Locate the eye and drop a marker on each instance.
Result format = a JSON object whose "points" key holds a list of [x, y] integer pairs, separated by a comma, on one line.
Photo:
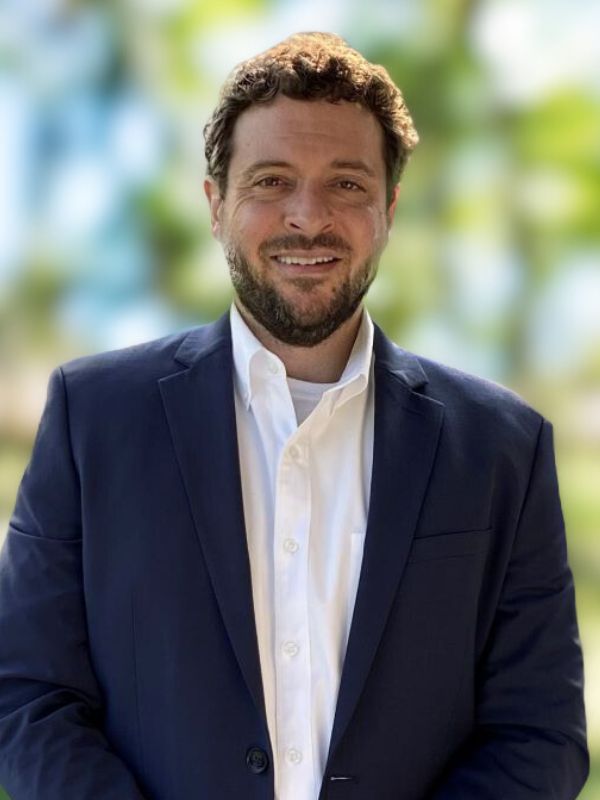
{"points": [[269, 182], [350, 185]]}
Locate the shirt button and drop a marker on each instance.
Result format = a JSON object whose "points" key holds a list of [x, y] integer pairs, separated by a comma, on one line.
{"points": [[295, 452], [291, 546], [293, 756], [273, 367], [290, 649]]}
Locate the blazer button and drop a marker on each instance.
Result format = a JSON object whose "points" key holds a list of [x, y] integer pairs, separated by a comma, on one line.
{"points": [[257, 760]]}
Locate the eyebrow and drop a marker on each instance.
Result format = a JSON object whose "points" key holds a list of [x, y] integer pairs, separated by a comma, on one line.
{"points": [[355, 166]]}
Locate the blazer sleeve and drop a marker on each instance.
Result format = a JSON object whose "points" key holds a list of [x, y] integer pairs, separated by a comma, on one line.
{"points": [[51, 742], [530, 739]]}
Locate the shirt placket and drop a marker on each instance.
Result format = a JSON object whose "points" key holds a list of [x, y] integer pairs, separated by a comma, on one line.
{"points": [[292, 655]]}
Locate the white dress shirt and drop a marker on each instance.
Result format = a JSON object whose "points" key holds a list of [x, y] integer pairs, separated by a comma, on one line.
{"points": [[306, 492]]}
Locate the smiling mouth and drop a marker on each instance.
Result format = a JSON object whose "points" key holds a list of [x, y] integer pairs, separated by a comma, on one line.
{"points": [[305, 262]]}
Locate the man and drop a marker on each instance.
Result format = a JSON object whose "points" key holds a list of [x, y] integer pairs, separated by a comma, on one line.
{"points": [[278, 556]]}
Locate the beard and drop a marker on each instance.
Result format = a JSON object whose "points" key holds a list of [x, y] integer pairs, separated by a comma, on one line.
{"points": [[284, 319]]}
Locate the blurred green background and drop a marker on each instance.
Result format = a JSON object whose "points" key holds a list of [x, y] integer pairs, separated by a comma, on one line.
{"points": [[494, 262]]}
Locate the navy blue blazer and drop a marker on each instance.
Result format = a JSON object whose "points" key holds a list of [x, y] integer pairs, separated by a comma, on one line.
{"points": [[129, 665]]}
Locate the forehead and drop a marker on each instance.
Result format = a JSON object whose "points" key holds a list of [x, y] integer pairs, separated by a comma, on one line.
{"points": [[303, 132]]}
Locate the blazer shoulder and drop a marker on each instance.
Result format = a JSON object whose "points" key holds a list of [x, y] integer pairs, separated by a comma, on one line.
{"points": [[120, 384], [115, 395], [481, 402], [467, 399], [149, 360], [147, 357]]}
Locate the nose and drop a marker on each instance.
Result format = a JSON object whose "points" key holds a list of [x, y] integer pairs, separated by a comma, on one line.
{"points": [[307, 211]]}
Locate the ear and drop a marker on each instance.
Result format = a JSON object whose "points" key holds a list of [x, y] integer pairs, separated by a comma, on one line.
{"points": [[391, 209], [215, 204]]}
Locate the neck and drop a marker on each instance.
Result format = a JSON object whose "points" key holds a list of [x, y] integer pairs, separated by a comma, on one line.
{"points": [[322, 363]]}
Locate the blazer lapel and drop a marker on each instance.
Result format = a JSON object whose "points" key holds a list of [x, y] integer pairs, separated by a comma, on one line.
{"points": [[407, 427], [200, 408]]}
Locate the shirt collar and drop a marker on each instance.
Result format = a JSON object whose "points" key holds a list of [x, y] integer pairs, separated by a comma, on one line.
{"points": [[253, 363]]}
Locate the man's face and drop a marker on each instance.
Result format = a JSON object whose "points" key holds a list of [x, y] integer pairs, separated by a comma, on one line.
{"points": [[304, 219]]}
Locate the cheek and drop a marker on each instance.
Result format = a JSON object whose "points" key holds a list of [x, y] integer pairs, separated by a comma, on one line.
{"points": [[250, 226], [371, 229]]}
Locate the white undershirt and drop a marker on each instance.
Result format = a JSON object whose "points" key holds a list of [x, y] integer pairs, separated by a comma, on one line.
{"points": [[305, 491], [306, 396]]}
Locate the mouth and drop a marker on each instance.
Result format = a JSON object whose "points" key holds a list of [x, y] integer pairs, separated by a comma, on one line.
{"points": [[305, 261]]}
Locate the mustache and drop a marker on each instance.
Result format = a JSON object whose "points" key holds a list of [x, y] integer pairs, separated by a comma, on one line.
{"points": [[297, 241]]}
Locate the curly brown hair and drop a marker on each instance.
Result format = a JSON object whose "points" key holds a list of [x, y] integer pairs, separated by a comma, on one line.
{"points": [[311, 66]]}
